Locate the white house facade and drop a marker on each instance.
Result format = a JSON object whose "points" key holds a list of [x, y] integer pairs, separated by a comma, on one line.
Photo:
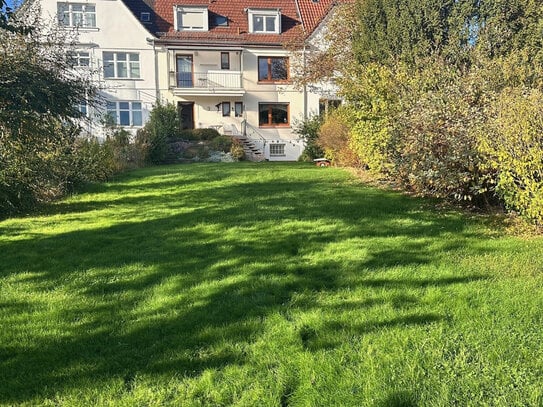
{"points": [[228, 67], [223, 63], [116, 47]]}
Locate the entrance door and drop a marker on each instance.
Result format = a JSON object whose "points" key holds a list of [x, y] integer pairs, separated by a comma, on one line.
{"points": [[184, 71], [186, 114]]}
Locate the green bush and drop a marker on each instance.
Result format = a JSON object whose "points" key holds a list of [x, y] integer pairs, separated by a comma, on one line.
{"points": [[374, 103], [199, 134], [513, 147], [162, 128], [35, 173], [221, 143], [309, 131], [434, 150]]}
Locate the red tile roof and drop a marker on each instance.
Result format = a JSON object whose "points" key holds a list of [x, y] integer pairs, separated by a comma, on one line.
{"points": [[297, 17], [313, 12]]}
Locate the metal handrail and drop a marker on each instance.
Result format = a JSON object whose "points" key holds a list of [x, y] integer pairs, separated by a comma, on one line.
{"points": [[245, 125]]}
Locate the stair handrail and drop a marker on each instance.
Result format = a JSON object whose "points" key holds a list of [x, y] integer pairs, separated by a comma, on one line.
{"points": [[245, 125]]}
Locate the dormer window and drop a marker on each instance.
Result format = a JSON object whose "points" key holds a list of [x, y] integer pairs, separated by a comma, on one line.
{"points": [[191, 18], [264, 21], [220, 21]]}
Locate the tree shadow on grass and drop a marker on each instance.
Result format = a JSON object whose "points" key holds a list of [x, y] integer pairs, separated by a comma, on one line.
{"points": [[220, 268]]}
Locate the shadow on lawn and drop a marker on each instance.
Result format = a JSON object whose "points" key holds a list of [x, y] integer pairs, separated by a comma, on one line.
{"points": [[250, 270]]}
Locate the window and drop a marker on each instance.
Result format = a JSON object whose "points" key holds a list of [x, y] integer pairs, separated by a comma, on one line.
{"points": [[82, 107], [328, 105], [265, 21], [125, 113], [225, 60], [220, 21], [272, 69], [225, 109], [277, 150], [273, 114], [145, 17], [191, 19], [121, 65], [238, 109], [78, 58], [76, 15]]}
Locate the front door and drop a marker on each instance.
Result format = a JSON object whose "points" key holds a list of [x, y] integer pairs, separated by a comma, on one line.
{"points": [[186, 114], [184, 71]]}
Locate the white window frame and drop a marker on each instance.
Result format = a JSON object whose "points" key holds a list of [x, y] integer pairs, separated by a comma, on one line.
{"points": [[178, 19], [71, 14], [78, 56], [277, 150], [120, 107], [265, 14], [130, 64]]}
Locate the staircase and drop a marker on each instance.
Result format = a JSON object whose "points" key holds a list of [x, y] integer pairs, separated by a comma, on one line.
{"points": [[252, 152], [251, 141]]}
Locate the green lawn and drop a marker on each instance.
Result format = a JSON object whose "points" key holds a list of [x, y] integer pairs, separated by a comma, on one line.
{"points": [[265, 285]]}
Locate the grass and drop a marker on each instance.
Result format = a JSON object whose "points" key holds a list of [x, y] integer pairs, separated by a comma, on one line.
{"points": [[265, 285]]}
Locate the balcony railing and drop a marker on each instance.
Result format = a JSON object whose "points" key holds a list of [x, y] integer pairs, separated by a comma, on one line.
{"points": [[206, 80]]}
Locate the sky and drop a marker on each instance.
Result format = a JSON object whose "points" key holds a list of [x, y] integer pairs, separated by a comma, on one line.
{"points": [[10, 3]]}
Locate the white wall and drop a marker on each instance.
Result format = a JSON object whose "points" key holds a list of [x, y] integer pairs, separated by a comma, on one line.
{"points": [[205, 110], [117, 29]]}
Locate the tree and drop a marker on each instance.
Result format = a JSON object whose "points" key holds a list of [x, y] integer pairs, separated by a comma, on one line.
{"points": [[38, 83], [39, 92]]}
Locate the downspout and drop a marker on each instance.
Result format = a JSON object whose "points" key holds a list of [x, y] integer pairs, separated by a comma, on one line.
{"points": [[304, 88], [157, 82], [305, 85], [155, 55]]}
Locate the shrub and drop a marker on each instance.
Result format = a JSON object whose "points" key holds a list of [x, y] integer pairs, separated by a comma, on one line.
{"points": [[199, 134], [334, 139], [309, 131], [163, 126], [435, 146], [513, 147], [35, 173], [236, 150], [221, 143], [220, 157]]}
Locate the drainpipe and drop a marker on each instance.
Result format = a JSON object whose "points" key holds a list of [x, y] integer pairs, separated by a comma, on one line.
{"points": [[157, 83], [305, 86]]}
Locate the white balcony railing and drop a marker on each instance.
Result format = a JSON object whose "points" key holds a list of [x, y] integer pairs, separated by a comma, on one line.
{"points": [[206, 80]]}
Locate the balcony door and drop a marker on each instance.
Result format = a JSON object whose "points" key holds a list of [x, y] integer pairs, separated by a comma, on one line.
{"points": [[184, 71]]}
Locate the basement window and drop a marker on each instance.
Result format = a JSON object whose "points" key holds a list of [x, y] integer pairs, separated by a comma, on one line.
{"points": [[277, 150]]}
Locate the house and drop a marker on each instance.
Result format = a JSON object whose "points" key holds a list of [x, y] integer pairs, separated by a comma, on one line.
{"points": [[114, 45], [226, 64]]}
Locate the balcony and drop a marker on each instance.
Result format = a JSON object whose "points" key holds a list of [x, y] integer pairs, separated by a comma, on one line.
{"points": [[220, 83]]}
